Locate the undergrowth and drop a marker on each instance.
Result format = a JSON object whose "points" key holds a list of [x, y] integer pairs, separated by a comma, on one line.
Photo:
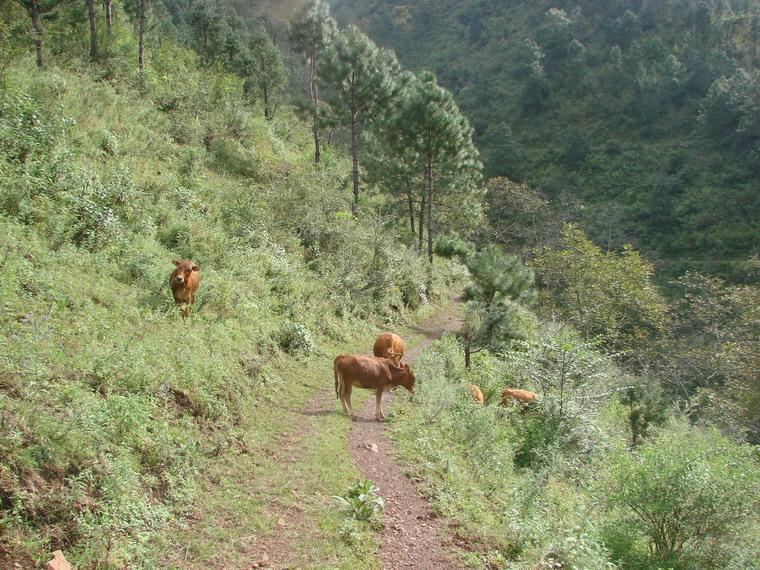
{"points": [[110, 406], [557, 484]]}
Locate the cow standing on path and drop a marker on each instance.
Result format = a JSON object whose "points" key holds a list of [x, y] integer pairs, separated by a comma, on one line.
{"points": [[389, 345], [184, 281], [371, 373]]}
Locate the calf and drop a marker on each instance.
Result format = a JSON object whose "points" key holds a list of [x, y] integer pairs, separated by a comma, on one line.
{"points": [[389, 345], [371, 373], [522, 397], [477, 394], [184, 281]]}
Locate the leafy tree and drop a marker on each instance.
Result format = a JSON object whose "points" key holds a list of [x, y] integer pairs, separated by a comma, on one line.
{"points": [[360, 77], [141, 15], [266, 73], [108, 8], [713, 352], [602, 294], [520, 217], [310, 31], [35, 9], [689, 493], [93, 29]]}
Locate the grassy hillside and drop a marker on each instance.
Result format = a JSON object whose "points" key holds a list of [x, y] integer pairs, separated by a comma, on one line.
{"points": [[112, 410], [637, 118]]}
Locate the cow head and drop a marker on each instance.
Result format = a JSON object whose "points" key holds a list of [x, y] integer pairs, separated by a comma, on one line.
{"points": [[184, 268], [402, 375]]}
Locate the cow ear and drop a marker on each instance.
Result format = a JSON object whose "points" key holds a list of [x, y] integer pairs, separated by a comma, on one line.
{"points": [[196, 268], [176, 262]]}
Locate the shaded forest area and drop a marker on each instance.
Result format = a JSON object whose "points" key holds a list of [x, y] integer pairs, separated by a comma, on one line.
{"points": [[639, 119]]}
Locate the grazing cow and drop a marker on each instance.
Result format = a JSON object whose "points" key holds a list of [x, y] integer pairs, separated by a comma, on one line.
{"points": [[371, 373], [389, 345], [184, 281], [477, 394], [522, 397]]}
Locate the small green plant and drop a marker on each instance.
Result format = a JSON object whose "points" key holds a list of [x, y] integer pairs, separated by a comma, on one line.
{"points": [[362, 502], [109, 142], [295, 338]]}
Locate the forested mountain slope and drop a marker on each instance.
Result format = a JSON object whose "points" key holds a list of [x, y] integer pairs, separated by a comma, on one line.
{"points": [[639, 118], [135, 133]]}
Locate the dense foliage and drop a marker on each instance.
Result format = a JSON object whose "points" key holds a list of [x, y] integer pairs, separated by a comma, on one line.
{"points": [[638, 119], [556, 486], [110, 406], [169, 133]]}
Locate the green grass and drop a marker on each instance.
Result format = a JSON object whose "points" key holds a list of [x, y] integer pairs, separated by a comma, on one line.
{"points": [[117, 420], [247, 493]]}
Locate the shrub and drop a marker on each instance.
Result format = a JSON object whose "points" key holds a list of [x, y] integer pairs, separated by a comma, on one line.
{"points": [[689, 494], [109, 142], [295, 339]]}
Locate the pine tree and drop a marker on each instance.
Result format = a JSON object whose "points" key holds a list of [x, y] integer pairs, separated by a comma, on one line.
{"points": [[310, 31], [35, 9], [265, 72], [360, 77], [442, 137], [500, 283], [393, 165]]}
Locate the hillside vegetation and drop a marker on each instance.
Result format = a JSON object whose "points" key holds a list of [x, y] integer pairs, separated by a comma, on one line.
{"points": [[134, 134], [111, 407], [638, 119]]}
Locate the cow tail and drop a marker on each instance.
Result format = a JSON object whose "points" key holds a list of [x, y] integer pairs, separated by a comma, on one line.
{"points": [[338, 381]]}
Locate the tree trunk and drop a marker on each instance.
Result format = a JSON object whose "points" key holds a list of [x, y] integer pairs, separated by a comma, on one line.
{"points": [[429, 175], [265, 93], [205, 44], [354, 151], [141, 44], [35, 14], [411, 210], [109, 15], [467, 354], [421, 225], [93, 30], [315, 104]]}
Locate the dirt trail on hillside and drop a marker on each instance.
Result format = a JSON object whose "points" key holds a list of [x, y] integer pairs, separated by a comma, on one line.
{"points": [[414, 536]]}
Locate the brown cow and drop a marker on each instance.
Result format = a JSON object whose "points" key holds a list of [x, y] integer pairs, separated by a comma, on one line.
{"points": [[184, 281], [372, 373], [477, 394], [522, 397], [389, 345]]}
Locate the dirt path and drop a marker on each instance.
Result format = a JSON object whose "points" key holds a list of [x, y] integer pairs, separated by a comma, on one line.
{"points": [[414, 536]]}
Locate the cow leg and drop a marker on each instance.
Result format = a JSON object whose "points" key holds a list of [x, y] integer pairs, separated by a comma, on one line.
{"points": [[347, 401], [343, 402], [379, 404]]}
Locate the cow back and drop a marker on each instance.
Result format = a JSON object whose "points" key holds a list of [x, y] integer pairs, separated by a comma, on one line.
{"points": [[389, 345]]}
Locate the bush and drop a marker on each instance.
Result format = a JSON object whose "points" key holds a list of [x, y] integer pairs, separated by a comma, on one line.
{"points": [[362, 502], [295, 339], [690, 495]]}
